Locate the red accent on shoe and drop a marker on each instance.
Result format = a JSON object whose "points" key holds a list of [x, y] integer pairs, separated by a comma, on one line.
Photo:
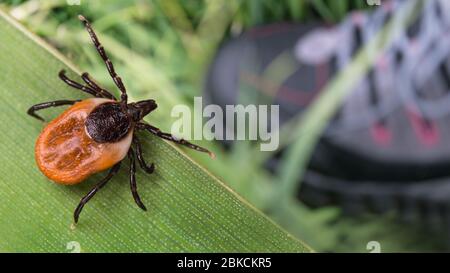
{"points": [[428, 134], [381, 134]]}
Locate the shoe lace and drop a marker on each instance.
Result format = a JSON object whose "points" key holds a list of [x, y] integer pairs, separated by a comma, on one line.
{"points": [[419, 53]]}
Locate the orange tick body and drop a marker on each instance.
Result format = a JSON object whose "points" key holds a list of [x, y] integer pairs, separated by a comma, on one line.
{"points": [[66, 153], [96, 134]]}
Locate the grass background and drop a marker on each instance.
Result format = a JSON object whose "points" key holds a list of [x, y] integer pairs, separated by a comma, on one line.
{"points": [[162, 50]]}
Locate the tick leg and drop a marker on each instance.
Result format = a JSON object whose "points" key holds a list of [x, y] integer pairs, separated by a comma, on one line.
{"points": [[94, 190], [31, 111], [101, 50], [91, 83], [133, 185], [147, 168], [71, 83], [157, 132]]}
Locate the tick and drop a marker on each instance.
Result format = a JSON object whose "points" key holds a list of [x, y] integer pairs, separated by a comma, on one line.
{"points": [[96, 134]]}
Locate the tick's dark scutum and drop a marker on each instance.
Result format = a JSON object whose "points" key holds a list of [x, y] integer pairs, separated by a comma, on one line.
{"points": [[108, 123]]}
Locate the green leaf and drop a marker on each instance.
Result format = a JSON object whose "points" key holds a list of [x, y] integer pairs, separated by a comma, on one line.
{"points": [[188, 209]]}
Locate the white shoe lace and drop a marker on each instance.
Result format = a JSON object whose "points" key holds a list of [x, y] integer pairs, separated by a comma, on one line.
{"points": [[418, 54]]}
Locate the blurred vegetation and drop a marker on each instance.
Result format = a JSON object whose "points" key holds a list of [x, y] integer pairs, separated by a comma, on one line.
{"points": [[162, 50]]}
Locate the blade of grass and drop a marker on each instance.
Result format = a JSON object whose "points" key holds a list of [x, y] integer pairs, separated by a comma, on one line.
{"points": [[189, 210], [323, 10]]}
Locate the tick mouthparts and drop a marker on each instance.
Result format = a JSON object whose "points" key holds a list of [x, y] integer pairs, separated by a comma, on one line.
{"points": [[212, 155]]}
